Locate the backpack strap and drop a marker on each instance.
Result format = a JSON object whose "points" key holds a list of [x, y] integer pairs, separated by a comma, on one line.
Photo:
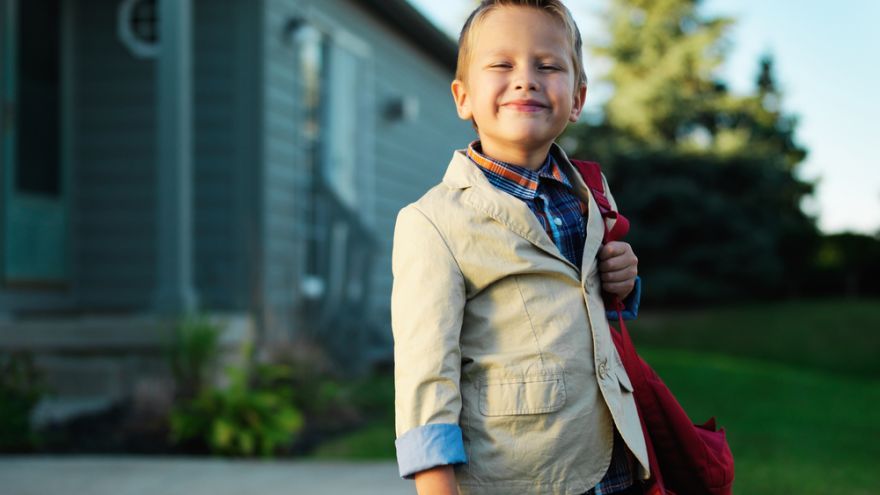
{"points": [[592, 175]]}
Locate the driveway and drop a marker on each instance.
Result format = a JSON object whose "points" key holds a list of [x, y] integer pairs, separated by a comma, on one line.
{"points": [[75, 475]]}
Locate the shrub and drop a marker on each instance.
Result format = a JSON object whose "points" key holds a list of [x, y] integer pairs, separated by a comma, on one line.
{"points": [[21, 387], [193, 353], [251, 415]]}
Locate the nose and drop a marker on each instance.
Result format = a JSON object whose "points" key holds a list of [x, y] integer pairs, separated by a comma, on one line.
{"points": [[526, 78]]}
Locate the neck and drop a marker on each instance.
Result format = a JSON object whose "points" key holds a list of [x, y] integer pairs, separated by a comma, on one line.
{"points": [[529, 158]]}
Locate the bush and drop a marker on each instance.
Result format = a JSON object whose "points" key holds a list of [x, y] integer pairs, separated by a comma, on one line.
{"points": [[21, 387], [251, 415], [193, 353]]}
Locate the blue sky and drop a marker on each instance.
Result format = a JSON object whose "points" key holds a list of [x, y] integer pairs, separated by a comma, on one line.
{"points": [[823, 54]]}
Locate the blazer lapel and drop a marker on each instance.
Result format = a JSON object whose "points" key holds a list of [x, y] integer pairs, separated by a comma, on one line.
{"points": [[507, 210], [595, 228]]}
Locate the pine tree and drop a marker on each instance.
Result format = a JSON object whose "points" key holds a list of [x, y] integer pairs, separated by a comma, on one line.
{"points": [[707, 176], [664, 58]]}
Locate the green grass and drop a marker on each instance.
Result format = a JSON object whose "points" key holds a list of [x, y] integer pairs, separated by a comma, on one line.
{"points": [[792, 430], [373, 442], [838, 335], [795, 385]]}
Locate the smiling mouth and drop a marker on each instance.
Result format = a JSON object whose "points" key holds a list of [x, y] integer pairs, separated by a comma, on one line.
{"points": [[526, 106]]}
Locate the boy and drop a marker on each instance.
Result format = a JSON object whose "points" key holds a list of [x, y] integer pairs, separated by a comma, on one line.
{"points": [[506, 377]]}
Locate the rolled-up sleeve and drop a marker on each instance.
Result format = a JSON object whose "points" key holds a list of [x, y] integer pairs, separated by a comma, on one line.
{"points": [[427, 303]]}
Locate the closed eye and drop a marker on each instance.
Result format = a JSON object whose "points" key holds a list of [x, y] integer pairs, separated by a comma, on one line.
{"points": [[548, 67]]}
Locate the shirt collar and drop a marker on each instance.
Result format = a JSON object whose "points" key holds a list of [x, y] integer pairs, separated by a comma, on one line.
{"points": [[519, 181]]}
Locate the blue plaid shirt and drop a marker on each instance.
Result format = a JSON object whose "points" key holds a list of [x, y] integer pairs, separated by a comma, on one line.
{"points": [[549, 194]]}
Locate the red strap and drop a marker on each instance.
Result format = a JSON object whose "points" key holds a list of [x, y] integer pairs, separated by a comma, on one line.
{"points": [[592, 174]]}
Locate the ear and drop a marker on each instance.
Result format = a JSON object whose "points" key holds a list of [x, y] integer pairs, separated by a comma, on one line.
{"points": [[462, 100], [579, 97]]}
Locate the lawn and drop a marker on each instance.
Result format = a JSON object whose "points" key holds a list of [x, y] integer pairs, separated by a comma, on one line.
{"points": [[791, 429], [837, 336], [796, 385]]}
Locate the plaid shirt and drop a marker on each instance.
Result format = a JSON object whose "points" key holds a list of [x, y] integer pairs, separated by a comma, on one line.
{"points": [[549, 194]]}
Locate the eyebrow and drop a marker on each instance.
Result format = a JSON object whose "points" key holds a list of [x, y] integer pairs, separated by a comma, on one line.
{"points": [[539, 55]]}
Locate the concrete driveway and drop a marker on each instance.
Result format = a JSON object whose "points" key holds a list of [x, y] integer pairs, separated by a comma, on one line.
{"points": [[76, 475]]}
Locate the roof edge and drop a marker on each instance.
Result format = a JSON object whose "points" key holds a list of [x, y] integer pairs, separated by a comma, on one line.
{"points": [[408, 21]]}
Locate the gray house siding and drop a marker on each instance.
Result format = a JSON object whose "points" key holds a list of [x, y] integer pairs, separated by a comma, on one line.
{"points": [[115, 150], [404, 158], [411, 156], [253, 212], [284, 183], [113, 165], [226, 154]]}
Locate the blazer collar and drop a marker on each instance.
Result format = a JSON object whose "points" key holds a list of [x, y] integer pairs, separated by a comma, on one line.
{"points": [[480, 194]]}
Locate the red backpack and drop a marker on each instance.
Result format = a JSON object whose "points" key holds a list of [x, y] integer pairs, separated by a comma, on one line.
{"points": [[685, 458]]}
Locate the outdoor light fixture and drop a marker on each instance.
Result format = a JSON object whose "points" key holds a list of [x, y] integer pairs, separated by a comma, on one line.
{"points": [[401, 109]]}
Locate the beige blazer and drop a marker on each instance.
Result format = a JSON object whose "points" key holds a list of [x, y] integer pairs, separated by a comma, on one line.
{"points": [[497, 333]]}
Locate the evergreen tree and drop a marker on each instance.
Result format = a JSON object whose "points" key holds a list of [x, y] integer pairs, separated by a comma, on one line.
{"points": [[707, 176], [664, 58]]}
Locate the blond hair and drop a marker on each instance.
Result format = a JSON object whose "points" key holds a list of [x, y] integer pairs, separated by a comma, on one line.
{"points": [[553, 7]]}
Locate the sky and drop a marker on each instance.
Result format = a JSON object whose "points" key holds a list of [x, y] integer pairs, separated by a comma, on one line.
{"points": [[823, 54]]}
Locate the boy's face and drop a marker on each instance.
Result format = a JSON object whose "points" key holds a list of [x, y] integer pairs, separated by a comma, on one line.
{"points": [[519, 86]]}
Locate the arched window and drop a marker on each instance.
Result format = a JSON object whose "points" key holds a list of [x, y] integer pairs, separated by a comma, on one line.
{"points": [[138, 27]]}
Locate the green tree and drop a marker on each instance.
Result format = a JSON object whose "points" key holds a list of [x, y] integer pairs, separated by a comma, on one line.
{"points": [[707, 176], [664, 56]]}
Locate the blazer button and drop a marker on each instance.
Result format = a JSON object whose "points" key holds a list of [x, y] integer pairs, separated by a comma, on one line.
{"points": [[603, 369]]}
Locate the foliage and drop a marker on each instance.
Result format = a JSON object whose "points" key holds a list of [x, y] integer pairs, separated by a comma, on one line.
{"points": [[709, 228], [254, 413], [327, 397], [707, 177], [663, 57], [193, 353], [847, 264], [251, 415], [21, 387], [373, 399]]}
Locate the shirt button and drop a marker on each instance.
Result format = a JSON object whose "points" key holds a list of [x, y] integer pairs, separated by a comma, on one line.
{"points": [[557, 221]]}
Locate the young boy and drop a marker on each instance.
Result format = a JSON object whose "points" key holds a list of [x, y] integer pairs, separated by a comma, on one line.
{"points": [[506, 377]]}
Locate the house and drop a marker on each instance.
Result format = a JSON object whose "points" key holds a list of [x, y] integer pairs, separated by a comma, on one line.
{"points": [[246, 158]]}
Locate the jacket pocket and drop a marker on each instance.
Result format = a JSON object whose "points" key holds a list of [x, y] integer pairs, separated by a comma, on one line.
{"points": [[535, 393]]}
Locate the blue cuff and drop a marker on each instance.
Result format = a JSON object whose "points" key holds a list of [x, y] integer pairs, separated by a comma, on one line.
{"points": [[429, 446], [631, 303]]}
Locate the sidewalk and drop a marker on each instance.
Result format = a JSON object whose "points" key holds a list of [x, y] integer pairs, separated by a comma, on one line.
{"points": [[85, 475]]}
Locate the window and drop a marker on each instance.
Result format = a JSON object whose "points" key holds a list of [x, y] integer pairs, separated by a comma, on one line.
{"points": [[37, 165], [346, 122], [138, 27], [338, 113]]}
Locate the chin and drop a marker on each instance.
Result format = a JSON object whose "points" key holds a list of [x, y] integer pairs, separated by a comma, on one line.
{"points": [[531, 138]]}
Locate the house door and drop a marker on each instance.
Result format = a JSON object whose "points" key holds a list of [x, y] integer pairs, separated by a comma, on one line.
{"points": [[34, 196]]}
